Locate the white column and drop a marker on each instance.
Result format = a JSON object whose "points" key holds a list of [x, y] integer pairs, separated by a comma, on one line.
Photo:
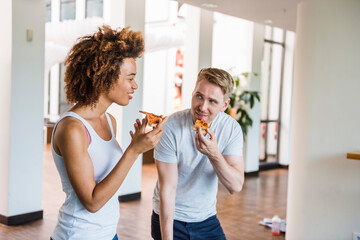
{"points": [[21, 105], [323, 192], [169, 81], [135, 18], [114, 16], [114, 12], [191, 53], [80, 9], [206, 38], [252, 146], [5, 101], [55, 10], [155, 74]]}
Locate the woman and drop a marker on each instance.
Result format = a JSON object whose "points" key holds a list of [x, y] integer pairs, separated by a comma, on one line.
{"points": [[100, 71]]}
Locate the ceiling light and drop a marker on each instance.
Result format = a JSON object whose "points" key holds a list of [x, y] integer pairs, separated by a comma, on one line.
{"points": [[268, 21], [209, 5]]}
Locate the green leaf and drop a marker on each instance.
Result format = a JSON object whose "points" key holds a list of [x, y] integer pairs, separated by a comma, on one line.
{"points": [[257, 96], [249, 121], [245, 74], [244, 101], [251, 101]]}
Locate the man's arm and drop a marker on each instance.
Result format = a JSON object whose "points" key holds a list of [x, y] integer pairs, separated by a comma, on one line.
{"points": [[168, 178], [229, 169]]}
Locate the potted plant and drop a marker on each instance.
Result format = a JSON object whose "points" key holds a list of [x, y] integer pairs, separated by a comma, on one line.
{"points": [[242, 100]]}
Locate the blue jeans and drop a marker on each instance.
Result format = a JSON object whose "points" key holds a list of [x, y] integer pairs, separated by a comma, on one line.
{"points": [[209, 229]]}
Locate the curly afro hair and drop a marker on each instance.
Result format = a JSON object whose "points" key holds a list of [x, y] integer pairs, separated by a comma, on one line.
{"points": [[93, 64]]}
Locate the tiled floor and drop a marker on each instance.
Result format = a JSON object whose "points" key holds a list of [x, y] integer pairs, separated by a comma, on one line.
{"points": [[239, 214]]}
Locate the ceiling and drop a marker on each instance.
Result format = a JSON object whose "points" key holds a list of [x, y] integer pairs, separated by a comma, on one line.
{"points": [[282, 13]]}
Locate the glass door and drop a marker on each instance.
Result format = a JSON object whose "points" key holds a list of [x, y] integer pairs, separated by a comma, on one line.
{"points": [[272, 69]]}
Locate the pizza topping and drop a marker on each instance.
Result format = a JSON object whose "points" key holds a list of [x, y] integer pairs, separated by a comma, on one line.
{"points": [[203, 125], [153, 120]]}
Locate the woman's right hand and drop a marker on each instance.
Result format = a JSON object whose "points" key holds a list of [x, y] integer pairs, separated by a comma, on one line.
{"points": [[141, 141]]}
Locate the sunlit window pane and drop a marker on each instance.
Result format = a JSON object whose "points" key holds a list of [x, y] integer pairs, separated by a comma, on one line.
{"points": [[265, 81], [48, 11], [268, 30], [278, 35], [68, 9], [94, 8]]}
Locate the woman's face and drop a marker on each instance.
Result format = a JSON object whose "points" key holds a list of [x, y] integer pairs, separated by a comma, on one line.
{"points": [[125, 86]]}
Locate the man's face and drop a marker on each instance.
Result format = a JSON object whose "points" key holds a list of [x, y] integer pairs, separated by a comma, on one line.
{"points": [[207, 101]]}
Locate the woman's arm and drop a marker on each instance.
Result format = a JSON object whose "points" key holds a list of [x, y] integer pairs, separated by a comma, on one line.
{"points": [[70, 140]]}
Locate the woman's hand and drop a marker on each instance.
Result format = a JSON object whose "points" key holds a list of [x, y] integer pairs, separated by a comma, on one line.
{"points": [[142, 141]]}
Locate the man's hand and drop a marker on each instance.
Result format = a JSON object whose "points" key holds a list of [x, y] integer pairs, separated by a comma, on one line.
{"points": [[204, 145]]}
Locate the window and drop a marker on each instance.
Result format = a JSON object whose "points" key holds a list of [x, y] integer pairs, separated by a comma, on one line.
{"points": [[271, 94], [67, 9], [48, 11], [94, 8], [63, 105]]}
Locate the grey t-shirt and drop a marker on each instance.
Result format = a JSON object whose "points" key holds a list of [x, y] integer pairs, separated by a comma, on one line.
{"points": [[197, 181]]}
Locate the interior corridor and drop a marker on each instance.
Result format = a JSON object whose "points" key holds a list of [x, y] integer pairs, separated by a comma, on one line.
{"points": [[239, 214]]}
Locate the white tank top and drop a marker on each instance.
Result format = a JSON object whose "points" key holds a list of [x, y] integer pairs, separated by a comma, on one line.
{"points": [[74, 221]]}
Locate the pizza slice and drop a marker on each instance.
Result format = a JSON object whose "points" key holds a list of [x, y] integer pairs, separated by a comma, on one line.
{"points": [[153, 120], [203, 125]]}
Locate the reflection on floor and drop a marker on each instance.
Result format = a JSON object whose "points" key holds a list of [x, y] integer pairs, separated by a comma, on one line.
{"points": [[239, 214]]}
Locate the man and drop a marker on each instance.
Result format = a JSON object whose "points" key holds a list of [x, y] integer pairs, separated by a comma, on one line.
{"points": [[189, 164]]}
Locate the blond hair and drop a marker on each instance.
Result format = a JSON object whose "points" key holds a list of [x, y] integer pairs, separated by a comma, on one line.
{"points": [[218, 77]]}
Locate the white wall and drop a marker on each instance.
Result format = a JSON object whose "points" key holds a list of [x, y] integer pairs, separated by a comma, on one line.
{"points": [[157, 11], [134, 17], [5, 73], [206, 38], [252, 146], [155, 75], [114, 16], [159, 64], [114, 12], [232, 43], [21, 138], [323, 192], [191, 53]]}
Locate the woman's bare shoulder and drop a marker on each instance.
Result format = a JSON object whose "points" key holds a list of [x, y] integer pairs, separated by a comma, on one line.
{"points": [[70, 131], [70, 124]]}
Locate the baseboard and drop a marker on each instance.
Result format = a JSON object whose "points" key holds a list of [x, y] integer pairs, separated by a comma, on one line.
{"points": [[284, 166], [130, 197], [252, 174], [268, 166], [21, 219]]}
